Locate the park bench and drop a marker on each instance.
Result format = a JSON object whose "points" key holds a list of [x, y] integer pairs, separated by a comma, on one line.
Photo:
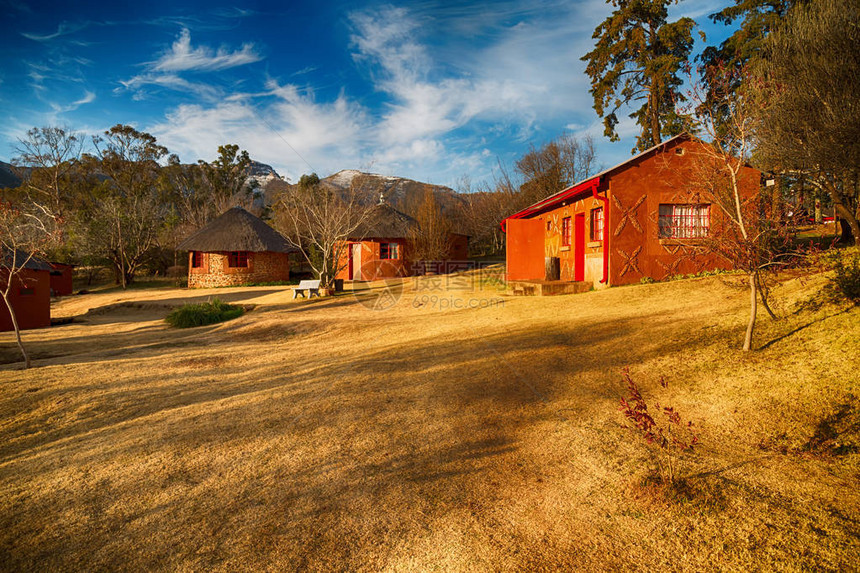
{"points": [[307, 289]]}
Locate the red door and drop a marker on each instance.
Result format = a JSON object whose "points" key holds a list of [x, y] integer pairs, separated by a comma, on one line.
{"points": [[579, 247]]}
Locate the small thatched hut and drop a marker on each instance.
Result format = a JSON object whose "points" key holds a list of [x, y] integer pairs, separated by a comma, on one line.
{"points": [[236, 248]]}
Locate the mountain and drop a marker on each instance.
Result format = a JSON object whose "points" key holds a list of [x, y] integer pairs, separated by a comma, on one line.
{"points": [[263, 174], [403, 194], [7, 176]]}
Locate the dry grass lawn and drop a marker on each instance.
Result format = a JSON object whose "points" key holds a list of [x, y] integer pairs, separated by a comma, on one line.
{"points": [[323, 435]]}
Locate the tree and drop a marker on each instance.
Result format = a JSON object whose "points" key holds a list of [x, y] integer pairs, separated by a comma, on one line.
{"points": [[124, 212], [540, 172], [808, 80], [47, 156], [757, 19], [318, 220], [554, 166], [25, 230], [639, 56], [227, 179], [430, 239], [751, 240]]}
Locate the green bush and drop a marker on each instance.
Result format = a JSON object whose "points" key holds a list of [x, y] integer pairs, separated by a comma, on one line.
{"points": [[846, 277], [201, 314]]}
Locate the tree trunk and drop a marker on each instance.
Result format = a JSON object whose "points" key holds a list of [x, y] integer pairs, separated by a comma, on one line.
{"points": [[654, 112], [15, 326], [763, 295], [753, 310], [844, 213]]}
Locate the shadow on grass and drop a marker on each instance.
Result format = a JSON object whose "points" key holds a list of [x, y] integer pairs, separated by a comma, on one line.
{"points": [[803, 327]]}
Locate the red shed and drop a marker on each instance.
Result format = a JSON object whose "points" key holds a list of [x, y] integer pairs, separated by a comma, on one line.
{"points": [[631, 221], [61, 279], [30, 295]]}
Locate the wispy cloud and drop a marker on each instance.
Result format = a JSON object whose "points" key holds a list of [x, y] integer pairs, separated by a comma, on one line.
{"points": [[438, 110], [183, 57], [88, 97], [63, 29]]}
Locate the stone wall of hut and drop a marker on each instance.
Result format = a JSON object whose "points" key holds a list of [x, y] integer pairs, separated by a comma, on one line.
{"points": [[216, 271]]}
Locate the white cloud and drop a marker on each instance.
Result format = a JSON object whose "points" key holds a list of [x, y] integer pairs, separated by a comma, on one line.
{"points": [[442, 110], [182, 57], [63, 29], [288, 129]]}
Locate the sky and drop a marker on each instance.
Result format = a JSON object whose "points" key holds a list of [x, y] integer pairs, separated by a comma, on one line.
{"points": [[435, 91]]}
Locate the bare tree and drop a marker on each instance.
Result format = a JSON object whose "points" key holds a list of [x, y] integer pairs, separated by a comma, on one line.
{"points": [[744, 234], [430, 240], [46, 156], [25, 231], [319, 220], [536, 175], [554, 166]]}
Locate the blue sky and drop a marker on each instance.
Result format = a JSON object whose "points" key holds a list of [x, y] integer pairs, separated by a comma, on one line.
{"points": [[429, 90]]}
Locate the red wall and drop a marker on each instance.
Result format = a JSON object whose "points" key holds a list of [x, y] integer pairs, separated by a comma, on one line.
{"points": [[31, 310], [372, 267], [61, 279], [525, 249], [375, 268]]}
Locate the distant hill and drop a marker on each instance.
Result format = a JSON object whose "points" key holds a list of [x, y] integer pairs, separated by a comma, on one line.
{"points": [[7, 176], [403, 194]]}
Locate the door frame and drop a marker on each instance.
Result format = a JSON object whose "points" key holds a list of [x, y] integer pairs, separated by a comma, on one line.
{"points": [[579, 247]]}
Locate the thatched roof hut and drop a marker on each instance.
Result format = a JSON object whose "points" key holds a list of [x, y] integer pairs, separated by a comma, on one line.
{"points": [[237, 230], [236, 248], [384, 221]]}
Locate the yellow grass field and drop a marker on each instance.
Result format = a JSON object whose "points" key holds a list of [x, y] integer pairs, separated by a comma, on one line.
{"points": [[479, 435]]}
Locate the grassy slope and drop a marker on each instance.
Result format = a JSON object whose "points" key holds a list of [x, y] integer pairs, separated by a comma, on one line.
{"points": [[323, 435]]}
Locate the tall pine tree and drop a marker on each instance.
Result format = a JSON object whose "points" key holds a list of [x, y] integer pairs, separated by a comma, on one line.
{"points": [[639, 57]]}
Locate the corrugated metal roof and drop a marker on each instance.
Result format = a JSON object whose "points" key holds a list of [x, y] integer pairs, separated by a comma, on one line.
{"points": [[34, 263]]}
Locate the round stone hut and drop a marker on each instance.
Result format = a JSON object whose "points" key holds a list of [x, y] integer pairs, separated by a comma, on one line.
{"points": [[236, 249]]}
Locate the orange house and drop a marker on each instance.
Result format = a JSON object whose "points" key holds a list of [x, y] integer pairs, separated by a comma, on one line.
{"points": [[629, 222], [30, 295], [381, 248]]}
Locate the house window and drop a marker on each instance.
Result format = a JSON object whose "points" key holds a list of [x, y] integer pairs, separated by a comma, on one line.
{"points": [[597, 224], [684, 221], [565, 232], [26, 291], [238, 259], [196, 259], [388, 251]]}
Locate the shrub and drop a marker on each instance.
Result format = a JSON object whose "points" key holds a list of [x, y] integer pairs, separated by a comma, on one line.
{"points": [[846, 277], [201, 314], [668, 441]]}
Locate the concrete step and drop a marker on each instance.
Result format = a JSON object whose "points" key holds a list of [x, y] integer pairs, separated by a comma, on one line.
{"points": [[548, 288]]}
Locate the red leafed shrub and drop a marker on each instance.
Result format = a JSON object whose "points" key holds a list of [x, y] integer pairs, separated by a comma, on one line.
{"points": [[666, 435]]}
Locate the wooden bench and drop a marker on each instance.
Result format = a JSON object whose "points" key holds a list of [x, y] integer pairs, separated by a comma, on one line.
{"points": [[307, 289]]}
